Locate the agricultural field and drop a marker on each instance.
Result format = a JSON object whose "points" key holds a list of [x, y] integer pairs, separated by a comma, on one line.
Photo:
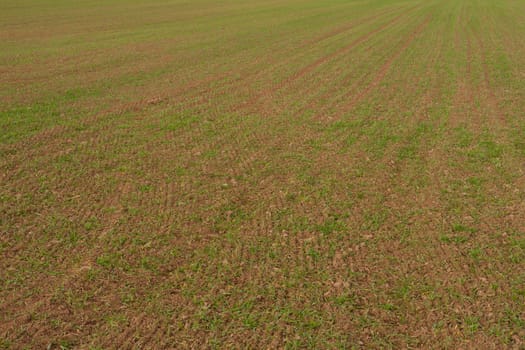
{"points": [[264, 174]]}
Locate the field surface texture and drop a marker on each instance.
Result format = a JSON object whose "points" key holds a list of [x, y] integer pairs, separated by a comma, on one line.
{"points": [[335, 174]]}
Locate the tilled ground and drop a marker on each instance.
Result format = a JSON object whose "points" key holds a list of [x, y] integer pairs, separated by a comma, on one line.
{"points": [[262, 174]]}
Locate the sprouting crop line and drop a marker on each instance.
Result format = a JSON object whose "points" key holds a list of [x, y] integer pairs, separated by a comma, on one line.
{"points": [[273, 64], [463, 95], [276, 63], [333, 90], [305, 70], [345, 28], [492, 100], [382, 71], [310, 67]]}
